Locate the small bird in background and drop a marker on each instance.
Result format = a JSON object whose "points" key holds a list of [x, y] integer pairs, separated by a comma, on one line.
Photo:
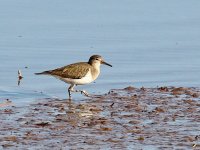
{"points": [[19, 77], [78, 73]]}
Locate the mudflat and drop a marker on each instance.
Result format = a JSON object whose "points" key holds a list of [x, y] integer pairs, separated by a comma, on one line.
{"points": [[129, 118]]}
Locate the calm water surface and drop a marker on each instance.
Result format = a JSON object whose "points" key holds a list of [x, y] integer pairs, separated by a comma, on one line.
{"points": [[149, 43]]}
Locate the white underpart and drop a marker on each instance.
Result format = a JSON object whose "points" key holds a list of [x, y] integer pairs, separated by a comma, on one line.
{"points": [[88, 78]]}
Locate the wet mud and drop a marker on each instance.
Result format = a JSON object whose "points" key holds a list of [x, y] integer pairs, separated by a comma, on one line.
{"points": [[129, 118]]}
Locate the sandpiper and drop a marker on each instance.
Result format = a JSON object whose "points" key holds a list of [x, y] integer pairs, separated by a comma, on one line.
{"points": [[78, 73]]}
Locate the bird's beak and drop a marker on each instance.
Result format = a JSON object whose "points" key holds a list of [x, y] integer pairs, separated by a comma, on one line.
{"points": [[105, 63]]}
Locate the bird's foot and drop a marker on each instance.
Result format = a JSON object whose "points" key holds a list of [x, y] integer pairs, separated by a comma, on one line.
{"points": [[70, 98], [85, 93]]}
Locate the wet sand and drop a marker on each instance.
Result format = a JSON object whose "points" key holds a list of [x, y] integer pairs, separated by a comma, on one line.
{"points": [[129, 118]]}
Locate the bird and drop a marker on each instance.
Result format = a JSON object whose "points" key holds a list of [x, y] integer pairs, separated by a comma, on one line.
{"points": [[79, 73]]}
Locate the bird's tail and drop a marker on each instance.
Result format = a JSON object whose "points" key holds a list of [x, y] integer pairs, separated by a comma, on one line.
{"points": [[42, 73]]}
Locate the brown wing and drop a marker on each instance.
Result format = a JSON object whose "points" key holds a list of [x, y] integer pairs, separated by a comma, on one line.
{"points": [[74, 71]]}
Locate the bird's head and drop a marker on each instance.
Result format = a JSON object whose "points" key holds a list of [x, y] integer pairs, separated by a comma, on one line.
{"points": [[97, 60]]}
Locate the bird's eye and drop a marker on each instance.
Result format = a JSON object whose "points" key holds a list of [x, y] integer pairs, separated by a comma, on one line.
{"points": [[97, 59]]}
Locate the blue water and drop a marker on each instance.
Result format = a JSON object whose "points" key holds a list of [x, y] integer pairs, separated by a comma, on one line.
{"points": [[149, 43]]}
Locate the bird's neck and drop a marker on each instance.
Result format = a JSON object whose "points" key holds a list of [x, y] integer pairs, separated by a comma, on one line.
{"points": [[95, 70], [96, 66]]}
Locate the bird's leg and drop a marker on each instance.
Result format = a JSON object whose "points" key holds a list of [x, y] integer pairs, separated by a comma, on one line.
{"points": [[70, 89], [69, 92]]}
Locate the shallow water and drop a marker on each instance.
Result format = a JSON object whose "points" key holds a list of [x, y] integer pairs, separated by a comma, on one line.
{"points": [[149, 43]]}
